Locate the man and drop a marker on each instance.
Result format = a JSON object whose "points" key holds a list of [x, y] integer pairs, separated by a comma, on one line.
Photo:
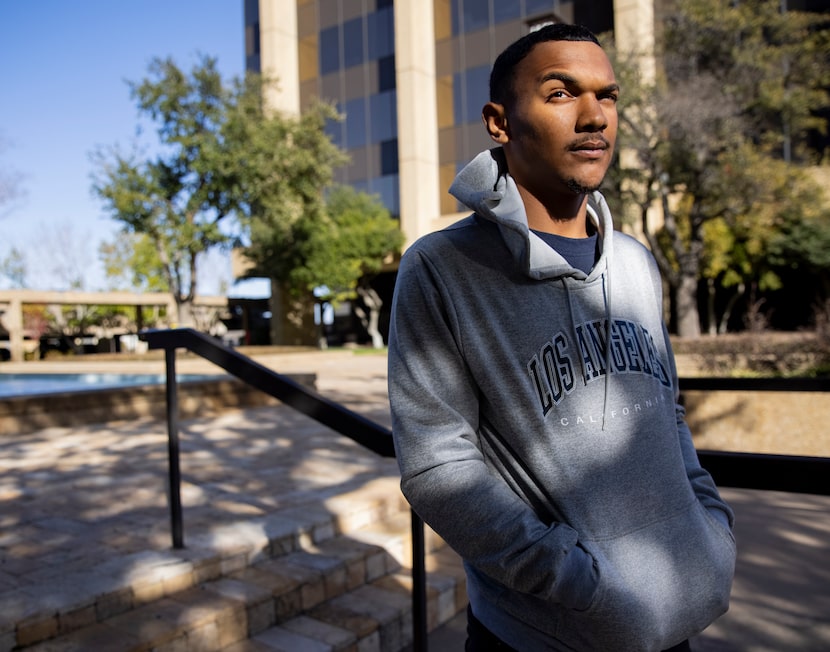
{"points": [[534, 392]]}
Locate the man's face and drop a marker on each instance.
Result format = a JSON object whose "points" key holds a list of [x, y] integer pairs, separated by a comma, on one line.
{"points": [[561, 126]]}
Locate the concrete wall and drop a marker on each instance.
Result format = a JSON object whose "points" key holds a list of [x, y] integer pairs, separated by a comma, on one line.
{"points": [[779, 423]]}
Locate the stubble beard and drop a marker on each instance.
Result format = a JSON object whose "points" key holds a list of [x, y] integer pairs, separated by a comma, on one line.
{"points": [[579, 188]]}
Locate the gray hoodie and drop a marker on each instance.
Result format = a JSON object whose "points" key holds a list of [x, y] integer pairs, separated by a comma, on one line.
{"points": [[537, 429]]}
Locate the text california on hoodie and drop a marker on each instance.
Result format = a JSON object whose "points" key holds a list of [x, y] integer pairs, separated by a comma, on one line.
{"points": [[557, 464]]}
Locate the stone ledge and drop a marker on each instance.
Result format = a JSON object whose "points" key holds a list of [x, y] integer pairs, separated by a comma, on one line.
{"points": [[24, 414]]}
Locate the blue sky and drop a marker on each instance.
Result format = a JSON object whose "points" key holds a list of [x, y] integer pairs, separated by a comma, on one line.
{"points": [[64, 94]]}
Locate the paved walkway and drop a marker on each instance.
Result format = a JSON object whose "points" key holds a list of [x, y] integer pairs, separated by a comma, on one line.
{"points": [[781, 596], [75, 498]]}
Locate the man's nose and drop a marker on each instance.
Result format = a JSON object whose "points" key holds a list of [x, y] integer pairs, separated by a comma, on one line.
{"points": [[592, 116]]}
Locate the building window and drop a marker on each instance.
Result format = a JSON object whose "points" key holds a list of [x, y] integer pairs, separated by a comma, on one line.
{"points": [[356, 59], [388, 190], [506, 10], [478, 91], [533, 7], [329, 50], [356, 123], [470, 93], [475, 15], [383, 116], [252, 47], [381, 28], [353, 42], [386, 73], [389, 157], [334, 130]]}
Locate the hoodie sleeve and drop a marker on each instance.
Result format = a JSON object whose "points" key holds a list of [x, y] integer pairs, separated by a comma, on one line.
{"points": [[434, 402]]}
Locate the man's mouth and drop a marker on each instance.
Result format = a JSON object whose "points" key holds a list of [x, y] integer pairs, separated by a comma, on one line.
{"points": [[591, 145]]}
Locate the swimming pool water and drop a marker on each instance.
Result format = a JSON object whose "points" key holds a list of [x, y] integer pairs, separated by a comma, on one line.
{"points": [[29, 384]]}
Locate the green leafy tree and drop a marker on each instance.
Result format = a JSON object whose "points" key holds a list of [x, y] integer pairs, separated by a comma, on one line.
{"points": [[35, 320], [230, 171], [177, 198], [349, 250], [802, 244], [734, 77], [131, 262], [284, 165], [739, 256]]}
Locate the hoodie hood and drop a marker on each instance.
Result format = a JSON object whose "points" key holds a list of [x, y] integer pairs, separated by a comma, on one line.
{"points": [[486, 187]]}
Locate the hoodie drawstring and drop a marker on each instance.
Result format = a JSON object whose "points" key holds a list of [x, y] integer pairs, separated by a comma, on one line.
{"points": [[606, 296], [606, 289]]}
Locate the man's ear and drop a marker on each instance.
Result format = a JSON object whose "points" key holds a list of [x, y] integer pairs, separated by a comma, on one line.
{"points": [[495, 121]]}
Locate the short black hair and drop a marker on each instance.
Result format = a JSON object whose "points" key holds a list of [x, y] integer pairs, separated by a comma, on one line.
{"points": [[501, 76]]}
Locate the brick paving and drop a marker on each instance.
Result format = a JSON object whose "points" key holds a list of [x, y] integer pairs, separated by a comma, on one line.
{"points": [[84, 525]]}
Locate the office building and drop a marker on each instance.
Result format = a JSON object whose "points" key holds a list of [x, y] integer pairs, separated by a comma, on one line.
{"points": [[410, 77]]}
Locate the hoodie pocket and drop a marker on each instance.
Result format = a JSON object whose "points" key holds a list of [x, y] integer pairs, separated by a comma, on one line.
{"points": [[720, 524], [659, 585], [577, 589]]}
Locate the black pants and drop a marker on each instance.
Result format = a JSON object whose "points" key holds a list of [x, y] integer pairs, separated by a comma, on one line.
{"points": [[481, 639]]}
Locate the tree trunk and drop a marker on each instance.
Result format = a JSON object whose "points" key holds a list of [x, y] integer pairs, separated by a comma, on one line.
{"points": [[184, 313], [275, 323], [711, 319], [688, 317], [292, 320], [373, 303], [727, 312]]}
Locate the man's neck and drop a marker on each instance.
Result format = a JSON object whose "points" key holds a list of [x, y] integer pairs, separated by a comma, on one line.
{"points": [[567, 218]]}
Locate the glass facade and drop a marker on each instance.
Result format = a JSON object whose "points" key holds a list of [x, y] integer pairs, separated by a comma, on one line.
{"points": [[252, 36], [347, 57], [356, 71]]}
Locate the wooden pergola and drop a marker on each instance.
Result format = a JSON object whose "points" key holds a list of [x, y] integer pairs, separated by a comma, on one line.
{"points": [[12, 302]]}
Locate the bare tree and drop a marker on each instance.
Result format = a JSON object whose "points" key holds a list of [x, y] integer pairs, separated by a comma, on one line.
{"points": [[738, 82], [11, 184]]}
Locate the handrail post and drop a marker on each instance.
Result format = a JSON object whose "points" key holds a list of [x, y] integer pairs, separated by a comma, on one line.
{"points": [[174, 472], [419, 586]]}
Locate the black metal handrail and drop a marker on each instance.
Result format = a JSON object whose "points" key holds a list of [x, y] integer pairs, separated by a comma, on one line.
{"points": [[304, 399], [794, 473], [740, 470], [755, 384], [337, 417]]}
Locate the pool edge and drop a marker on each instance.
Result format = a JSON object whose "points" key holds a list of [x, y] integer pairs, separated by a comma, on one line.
{"points": [[26, 414]]}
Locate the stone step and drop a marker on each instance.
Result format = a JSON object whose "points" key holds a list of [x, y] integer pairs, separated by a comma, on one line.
{"points": [[317, 579], [373, 618], [75, 595]]}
